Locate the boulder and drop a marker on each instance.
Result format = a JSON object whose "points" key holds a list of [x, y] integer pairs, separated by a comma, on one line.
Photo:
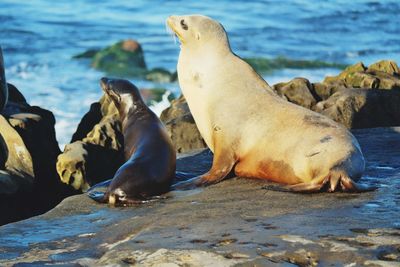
{"points": [[297, 91], [3, 84], [88, 121], [359, 108], [181, 126], [382, 75], [387, 66], [18, 160], [159, 75], [96, 149], [84, 164], [124, 58], [28, 153], [323, 91]]}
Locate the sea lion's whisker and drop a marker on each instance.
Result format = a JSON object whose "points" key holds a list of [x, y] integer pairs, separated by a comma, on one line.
{"points": [[170, 32]]}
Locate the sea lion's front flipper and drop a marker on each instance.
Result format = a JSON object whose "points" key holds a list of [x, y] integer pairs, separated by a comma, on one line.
{"points": [[101, 184], [97, 196], [222, 165]]}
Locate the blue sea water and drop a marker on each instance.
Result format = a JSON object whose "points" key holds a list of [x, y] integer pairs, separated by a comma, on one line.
{"points": [[40, 37]]}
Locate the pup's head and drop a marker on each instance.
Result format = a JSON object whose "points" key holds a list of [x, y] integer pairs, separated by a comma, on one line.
{"points": [[123, 93]]}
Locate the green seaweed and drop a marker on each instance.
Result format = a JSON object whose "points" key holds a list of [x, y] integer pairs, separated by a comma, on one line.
{"points": [[87, 54], [265, 65], [116, 61]]}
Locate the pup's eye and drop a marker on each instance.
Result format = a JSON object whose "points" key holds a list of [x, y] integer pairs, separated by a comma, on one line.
{"points": [[184, 25]]}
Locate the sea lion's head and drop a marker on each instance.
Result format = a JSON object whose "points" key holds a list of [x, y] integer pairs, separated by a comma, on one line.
{"points": [[197, 30], [123, 93]]}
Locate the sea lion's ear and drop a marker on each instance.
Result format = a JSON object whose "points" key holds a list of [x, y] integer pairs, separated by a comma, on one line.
{"points": [[198, 36]]}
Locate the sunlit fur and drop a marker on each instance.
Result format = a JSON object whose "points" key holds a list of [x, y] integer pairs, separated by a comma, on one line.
{"points": [[248, 126]]}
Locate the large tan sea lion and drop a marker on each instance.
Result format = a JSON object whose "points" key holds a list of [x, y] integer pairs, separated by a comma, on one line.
{"points": [[150, 156], [249, 128]]}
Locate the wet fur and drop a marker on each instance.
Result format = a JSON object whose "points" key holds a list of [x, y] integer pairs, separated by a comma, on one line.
{"points": [[150, 156]]}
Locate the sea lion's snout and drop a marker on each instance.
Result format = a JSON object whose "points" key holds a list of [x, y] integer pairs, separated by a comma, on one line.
{"points": [[105, 84], [176, 23], [170, 21]]}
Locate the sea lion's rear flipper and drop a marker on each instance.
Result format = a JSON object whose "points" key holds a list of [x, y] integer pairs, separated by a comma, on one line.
{"points": [[101, 184], [297, 188], [97, 196], [349, 185], [334, 182]]}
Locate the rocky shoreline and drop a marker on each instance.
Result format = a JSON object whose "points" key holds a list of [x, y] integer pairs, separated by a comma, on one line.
{"points": [[235, 221], [238, 222]]}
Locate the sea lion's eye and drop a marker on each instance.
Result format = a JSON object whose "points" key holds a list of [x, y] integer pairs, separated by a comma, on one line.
{"points": [[184, 25]]}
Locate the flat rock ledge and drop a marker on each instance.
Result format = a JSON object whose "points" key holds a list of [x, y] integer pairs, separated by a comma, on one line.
{"points": [[238, 222]]}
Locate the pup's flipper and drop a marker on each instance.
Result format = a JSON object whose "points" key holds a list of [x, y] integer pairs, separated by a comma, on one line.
{"points": [[101, 184], [97, 196]]}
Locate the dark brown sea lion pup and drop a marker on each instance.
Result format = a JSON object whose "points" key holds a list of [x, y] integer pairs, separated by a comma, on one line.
{"points": [[3, 83], [249, 128], [150, 156]]}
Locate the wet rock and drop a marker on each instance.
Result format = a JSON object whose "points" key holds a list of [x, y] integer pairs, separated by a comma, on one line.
{"points": [[37, 130], [107, 133], [18, 160], [124, 58], [324, 91], [181, 126], [87, 54], [358, 67], [159, 75], [3, 83], [382, 75], [316, 229], [14, 95], [358, 108], [297, 91], [88, 121], [96, 150], [83, 164], [28, 149], [387, 66]]}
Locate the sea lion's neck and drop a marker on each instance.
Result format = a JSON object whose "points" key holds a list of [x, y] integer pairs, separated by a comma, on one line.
{"points": [[210, 49], [131, 110]]}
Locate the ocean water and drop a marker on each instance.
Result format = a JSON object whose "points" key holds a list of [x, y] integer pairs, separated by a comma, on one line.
{"points": [[40, 37]]}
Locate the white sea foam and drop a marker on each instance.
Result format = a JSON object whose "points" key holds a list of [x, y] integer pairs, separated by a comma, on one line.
{"points": [[158, 107]]}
